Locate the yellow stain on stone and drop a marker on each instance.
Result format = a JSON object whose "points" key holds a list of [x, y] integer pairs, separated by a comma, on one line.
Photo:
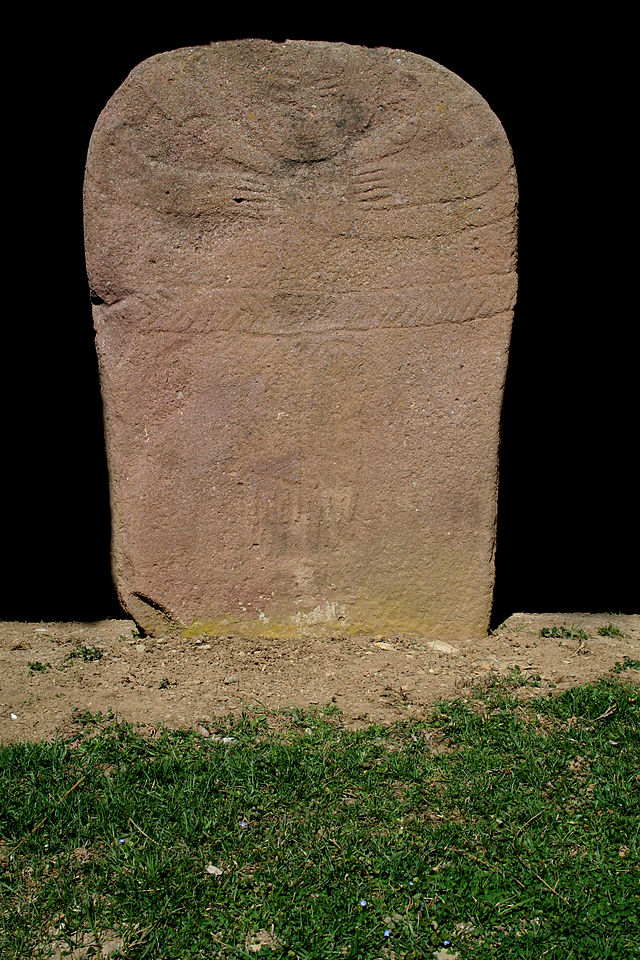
{"points": [[326, 619], [450, 610]]}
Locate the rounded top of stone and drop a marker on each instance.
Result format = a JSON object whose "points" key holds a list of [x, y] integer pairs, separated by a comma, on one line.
{"points": [[342, 90]]}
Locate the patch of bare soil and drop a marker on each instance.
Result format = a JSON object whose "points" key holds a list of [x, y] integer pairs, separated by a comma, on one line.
{"points": [[50, 671]]}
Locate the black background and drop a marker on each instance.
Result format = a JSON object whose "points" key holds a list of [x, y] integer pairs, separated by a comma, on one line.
{"points": [[568, 514]]}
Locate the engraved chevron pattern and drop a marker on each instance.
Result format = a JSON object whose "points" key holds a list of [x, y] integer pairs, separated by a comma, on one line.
{"points": [[284, 312]]}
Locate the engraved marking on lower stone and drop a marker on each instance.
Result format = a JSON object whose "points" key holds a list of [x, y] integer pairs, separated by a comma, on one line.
{"points": [[338, 504], [286, 514]]}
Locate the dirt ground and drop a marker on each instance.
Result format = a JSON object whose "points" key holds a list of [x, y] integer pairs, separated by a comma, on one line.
{"points": [[50, 671]]}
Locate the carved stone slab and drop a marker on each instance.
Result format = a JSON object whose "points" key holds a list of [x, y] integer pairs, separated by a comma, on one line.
{"points": [[302, 264]]}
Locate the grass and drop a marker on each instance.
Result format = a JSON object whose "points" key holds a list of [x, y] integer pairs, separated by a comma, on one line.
{"points": [[87, 653], [499, 827], [36, 666]]}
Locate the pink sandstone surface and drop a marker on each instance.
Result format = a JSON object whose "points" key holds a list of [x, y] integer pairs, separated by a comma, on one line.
{"points": [[302, 265]]}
